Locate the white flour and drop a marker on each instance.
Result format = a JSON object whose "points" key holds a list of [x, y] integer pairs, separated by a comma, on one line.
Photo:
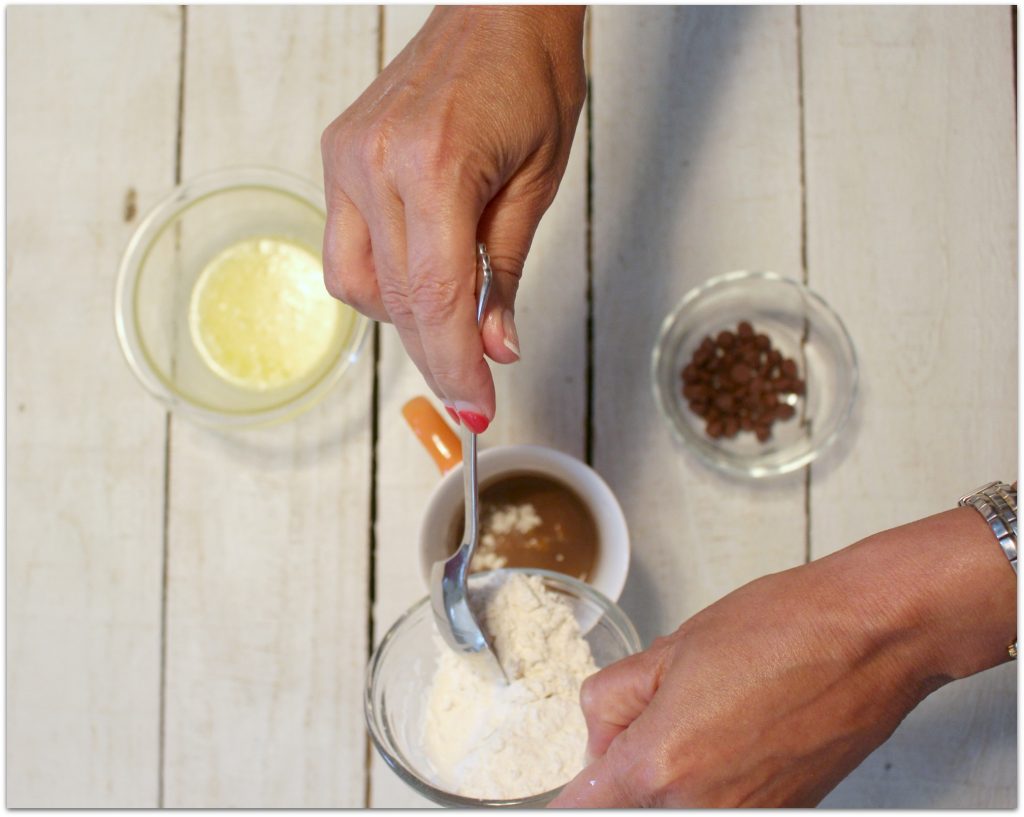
{"points": [[494, 741], [500, 522]]}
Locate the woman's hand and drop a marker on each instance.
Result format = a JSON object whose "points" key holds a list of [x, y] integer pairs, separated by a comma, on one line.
{"points": [[463, 137], [775, 693]]}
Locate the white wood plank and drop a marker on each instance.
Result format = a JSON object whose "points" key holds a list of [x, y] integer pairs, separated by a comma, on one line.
{"points": [[912, 235], [91, 107], [696, 173], [540, 399], [268, 584]]}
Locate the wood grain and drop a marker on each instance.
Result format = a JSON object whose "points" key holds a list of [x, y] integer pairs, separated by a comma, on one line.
{"points": [[696, 173], [907, 120], [540, 399], [268, 530], [911, 223], [91, 108]]}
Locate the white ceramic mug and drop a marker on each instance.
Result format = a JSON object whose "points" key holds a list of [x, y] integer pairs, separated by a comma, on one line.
{"points": [[444, 509]]}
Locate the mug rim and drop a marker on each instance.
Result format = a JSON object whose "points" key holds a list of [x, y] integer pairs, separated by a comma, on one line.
{"points": [[621, 543]]}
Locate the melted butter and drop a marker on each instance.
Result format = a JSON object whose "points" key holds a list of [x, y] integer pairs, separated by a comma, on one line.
{"points": [[260, 316]]}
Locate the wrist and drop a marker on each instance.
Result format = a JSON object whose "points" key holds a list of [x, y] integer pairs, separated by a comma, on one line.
{"points": [[939, 593], [558, 30]]}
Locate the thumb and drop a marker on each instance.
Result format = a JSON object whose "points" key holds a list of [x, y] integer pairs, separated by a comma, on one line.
{"points": [[613, 700], [617, 695], [507, 227], [601, 785], [499, 331]]}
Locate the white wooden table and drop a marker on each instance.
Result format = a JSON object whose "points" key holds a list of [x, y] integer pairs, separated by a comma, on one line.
{"points": [[190, 614]]}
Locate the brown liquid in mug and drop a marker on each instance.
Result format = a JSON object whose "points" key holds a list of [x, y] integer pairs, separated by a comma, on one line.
{"points": [[564, 540]]}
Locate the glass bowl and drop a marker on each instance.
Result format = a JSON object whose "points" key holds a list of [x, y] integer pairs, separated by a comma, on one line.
{"points": [[801, 326], [403, 664], [161, 264]]}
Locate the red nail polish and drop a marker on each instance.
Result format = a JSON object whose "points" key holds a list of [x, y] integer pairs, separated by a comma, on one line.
{"points": [[476, 423], [453, 414]]}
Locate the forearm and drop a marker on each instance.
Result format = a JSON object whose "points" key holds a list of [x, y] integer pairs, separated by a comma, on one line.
{"points": [[937, 596]]}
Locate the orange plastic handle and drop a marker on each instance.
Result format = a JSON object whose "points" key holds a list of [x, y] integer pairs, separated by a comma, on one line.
{"points": [[436, 435]]}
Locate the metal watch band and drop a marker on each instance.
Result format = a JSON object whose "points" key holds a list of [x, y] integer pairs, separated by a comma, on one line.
{"points": [[997, 503]]}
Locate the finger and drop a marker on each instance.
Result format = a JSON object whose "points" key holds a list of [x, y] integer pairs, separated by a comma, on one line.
{"points": [[602, 784], [507, 228], [441, 252], [349, 271], [499, 332], [617, 695], [388, 241]]}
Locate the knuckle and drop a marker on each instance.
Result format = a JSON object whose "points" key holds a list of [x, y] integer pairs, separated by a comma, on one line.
{"points": [[509, 261], [449, 377], [643, 776], [335, 276], [540, 191], [433, 155], [396, 305], [334, 137], [327, 141], [335, 288], [373, 145], [433, 299], [590, 694], [447, 164], [578, 91]]}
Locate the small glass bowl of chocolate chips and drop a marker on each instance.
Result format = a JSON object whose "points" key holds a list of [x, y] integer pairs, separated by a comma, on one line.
{"points": [[755, 373]]}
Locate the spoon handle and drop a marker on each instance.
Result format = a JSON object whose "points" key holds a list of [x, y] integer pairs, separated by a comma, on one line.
{"points": [[469, 478]]}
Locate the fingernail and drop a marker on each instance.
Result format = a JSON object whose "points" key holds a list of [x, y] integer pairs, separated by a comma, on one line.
{"points": [[452, 413], [511, 339], [474, 420]]}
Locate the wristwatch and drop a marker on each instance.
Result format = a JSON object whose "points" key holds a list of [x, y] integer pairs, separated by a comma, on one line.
{"points": [[997, 503]]}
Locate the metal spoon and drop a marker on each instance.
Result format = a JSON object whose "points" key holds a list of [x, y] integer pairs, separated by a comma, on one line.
{"points": [[454, 618]]}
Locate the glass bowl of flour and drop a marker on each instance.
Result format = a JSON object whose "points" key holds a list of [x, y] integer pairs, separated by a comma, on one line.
{"points": [[450, 726]]}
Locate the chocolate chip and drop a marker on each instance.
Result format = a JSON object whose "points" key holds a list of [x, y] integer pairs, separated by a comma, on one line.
{"points": [[737, 381], [741, 373], [696, 391]]}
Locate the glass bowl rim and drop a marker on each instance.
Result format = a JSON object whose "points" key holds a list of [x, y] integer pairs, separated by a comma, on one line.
{"points": [[661, 398], [608, 609], [179, 199]]}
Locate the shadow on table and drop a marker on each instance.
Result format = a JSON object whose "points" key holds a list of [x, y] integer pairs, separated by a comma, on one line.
{"points": [[948, 753], [682, 63], [324, 432]]}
